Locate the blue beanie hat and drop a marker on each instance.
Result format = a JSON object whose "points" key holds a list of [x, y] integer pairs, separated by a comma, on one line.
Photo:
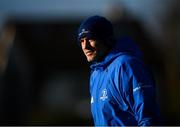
{"points": [[96, 27]]}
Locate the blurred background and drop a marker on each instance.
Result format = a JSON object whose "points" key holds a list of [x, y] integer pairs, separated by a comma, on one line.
{"points": [[44, 77]]}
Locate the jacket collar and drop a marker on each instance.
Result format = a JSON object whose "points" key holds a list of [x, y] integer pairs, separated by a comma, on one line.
{"points": [[124, 45]]}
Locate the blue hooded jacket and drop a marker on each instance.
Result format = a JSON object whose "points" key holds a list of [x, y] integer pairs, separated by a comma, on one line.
{"points": [[122, 89]]}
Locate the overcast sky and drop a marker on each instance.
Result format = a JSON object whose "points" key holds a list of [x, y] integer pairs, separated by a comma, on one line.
{"points": [[53, 8], [74, 9]]}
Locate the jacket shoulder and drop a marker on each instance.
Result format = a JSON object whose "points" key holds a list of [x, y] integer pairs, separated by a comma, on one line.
{"points": [[124, 58]]}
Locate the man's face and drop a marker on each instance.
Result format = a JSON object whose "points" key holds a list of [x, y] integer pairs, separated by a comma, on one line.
{"points": [[93, 49]]}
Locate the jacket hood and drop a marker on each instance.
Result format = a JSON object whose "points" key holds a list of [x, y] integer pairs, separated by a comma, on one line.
{"points": [[122, 46]]}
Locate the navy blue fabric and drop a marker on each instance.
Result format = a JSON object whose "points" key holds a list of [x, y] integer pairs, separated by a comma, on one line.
{"points": [[95, 27], [122, 89]]}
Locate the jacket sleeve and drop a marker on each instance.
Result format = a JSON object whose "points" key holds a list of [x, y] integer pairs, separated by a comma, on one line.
{"points": [[139, 92]]}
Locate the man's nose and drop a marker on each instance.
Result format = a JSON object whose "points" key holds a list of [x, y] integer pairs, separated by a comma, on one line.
{"points": [[87, 44]]}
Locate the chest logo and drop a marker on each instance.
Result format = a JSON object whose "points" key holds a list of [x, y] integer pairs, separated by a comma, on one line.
{"points": [[104, 95]]}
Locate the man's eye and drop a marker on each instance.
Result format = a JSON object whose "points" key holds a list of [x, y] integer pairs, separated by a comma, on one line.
{"points": [[91, 40], [81, 41]]}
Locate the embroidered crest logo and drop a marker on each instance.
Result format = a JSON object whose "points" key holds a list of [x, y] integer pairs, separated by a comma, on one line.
{"points": [[104, 95], [83, 31]]}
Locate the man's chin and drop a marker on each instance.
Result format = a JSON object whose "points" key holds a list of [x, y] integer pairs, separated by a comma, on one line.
{"points": [[90, 60]]}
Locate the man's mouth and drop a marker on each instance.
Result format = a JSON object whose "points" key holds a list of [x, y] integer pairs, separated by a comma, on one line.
{"points": [[88, 53]]}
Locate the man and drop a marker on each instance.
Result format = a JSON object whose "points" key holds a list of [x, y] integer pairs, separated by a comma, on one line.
{"points": [[122, 89]]}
